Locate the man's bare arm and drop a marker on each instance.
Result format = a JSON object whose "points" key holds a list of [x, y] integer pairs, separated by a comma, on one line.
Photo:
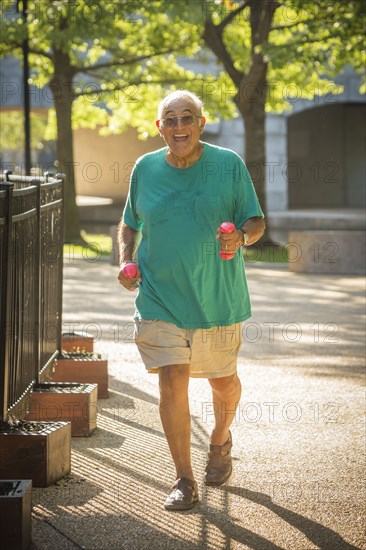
{"points": [[128, 240], [254, 227]]}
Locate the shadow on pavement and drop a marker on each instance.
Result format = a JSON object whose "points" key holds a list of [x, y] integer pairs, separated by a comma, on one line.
{"points": [[321, 536]]}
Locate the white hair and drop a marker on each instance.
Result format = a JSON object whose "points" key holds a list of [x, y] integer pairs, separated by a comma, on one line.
{"points": [[179, 94]]}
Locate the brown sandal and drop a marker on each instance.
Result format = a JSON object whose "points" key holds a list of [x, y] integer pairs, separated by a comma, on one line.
{"points": [[219, 464], [183, 496]]}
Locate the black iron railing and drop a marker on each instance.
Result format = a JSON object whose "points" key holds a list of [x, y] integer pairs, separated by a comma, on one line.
{"points": [[31, 245]]}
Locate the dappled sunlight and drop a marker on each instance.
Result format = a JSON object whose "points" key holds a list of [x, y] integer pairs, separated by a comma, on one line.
{"points": [[299, 317], [133, 480], [122, 474], [301, 367]]}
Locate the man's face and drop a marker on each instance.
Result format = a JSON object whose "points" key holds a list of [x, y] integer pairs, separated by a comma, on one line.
{"points": [[181, 138]]}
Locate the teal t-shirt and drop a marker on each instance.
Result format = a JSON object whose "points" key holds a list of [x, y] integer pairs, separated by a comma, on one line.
{"points": [[184, 280]]}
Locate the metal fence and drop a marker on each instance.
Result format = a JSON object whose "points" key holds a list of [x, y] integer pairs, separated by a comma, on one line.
{"points": [[31, 247]]}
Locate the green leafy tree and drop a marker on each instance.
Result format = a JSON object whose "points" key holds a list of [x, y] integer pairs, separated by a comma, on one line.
{"points": [[11, 124], [105, 64], [275, 51]]}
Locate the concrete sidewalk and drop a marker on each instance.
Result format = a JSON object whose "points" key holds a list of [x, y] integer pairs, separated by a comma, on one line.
{"points": [[299, 456]]}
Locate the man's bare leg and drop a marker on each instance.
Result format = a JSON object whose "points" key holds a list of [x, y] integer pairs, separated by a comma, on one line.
{"points": [[226, 393], [175, 416]]}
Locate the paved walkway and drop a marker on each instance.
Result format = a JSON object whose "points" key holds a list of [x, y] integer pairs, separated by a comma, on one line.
{"points": [[299, 456]]}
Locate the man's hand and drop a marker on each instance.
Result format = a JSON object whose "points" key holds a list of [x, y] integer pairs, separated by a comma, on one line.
{"points": [[129, 284], [230, 242]]}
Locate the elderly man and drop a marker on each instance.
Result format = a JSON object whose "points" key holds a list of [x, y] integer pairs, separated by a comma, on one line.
{"points": [[190, 302]]}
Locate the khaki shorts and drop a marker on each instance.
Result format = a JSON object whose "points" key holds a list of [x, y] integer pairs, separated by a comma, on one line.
{"points": [[211, 353]]}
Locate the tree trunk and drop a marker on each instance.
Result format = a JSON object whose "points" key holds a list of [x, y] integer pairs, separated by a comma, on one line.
{"points": [[251, 101], [254, 147], [61, 86], [251, 86], [254, 118]]}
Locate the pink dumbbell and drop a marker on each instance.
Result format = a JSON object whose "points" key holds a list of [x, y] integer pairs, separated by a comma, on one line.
{"points": [[227, 227], [130, 271]]}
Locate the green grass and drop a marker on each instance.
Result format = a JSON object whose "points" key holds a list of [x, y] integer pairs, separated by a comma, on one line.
{"points": [[267, 254], [94, 246]]}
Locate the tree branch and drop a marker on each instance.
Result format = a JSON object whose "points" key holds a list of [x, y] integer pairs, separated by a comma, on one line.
{"points": [[137, 83], [14, 44], [212, 35], [311, 40], [115, 63], [232, 15], [255, 79], [39, 52], [325, 21], [285, 27], [261, 17]]}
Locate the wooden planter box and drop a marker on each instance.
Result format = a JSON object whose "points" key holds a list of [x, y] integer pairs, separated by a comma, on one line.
{"points": [[15, 513], [90, 369], [40, 451], [61, 401], [77, 342]]}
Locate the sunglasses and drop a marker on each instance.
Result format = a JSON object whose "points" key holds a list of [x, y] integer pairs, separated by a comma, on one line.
{"points": [[185, 120]]}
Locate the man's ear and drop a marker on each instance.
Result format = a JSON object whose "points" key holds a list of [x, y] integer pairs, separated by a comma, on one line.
{"points": [[157, 124], [203, 123]]}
